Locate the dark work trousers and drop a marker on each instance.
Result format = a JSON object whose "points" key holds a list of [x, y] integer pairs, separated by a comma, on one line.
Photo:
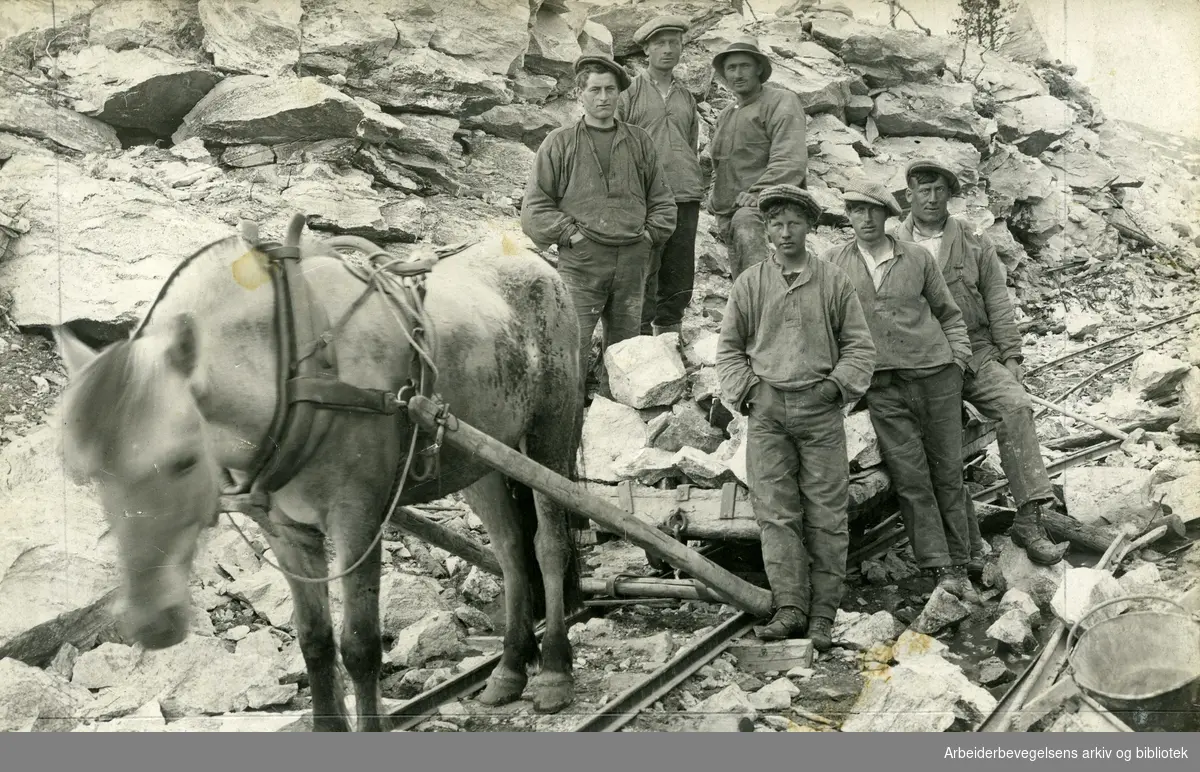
{"points": [[799, 483], [919, 426], [996, 393], [672, 272], [606, 283], [745, 236]]}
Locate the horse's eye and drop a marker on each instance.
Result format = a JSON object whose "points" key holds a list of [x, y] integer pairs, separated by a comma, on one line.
{"points": [[183, 466]]}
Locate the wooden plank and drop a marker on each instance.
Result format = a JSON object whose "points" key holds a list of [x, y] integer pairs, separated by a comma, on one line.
{"points": [[737, 592], [772, 656]]}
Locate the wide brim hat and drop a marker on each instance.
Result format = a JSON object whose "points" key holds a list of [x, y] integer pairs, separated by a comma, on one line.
{"points": [[659, 24], [928, 165], [872, 193], [743, 47], [623, 80], [790, 193]]}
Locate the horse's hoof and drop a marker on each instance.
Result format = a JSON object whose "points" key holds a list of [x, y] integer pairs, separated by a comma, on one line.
{"points": [[553, 693], [504, 686]]}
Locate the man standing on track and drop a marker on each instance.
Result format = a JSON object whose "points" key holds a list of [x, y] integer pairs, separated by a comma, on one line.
{"points": [[794, 348], [660, 104], [598, 191], [759, 141], [992, 383], [915, 398]]}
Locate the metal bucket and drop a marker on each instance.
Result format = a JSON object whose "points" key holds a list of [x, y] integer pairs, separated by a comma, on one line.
{"points": [[1143, 666]]}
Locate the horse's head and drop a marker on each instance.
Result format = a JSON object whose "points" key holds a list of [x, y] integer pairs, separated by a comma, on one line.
{"points": [[133, 427]]}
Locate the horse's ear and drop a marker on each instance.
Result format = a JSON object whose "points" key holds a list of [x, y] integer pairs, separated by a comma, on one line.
{"points": [[75, 353], [182, 346]]}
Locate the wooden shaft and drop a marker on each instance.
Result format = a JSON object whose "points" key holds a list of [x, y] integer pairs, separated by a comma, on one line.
{"points": [[453, 542], [735, 591], [682, 589], [1107, 428]]}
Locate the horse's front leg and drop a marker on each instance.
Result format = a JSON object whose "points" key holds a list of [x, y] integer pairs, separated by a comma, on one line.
{"points": [[301, 550], [355, 526]]}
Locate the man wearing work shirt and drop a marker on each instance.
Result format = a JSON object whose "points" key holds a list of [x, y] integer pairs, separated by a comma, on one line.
{"points": [[658, 103], [759, 141], [794, 348], [915, 398], [598, 191], [976, 279]]}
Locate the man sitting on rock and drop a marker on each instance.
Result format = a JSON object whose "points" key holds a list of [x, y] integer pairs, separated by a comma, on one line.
{"points": [[794, 348], [915, 397], [759, 141], [657, 102], [992, 384], [598, 191]]}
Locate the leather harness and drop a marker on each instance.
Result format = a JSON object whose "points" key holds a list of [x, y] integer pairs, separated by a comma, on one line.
{"points": [[308, 382]]}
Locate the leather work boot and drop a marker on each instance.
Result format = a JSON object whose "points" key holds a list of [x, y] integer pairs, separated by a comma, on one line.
{"points": [[954, 580], [1028, 532], [788, 622], [820, 632]]}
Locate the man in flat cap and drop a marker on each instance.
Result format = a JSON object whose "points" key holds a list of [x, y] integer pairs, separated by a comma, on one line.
{"points": [[977, 280], [597, 189], [794, 348], [661, 105], [915, 398], [759, 141]]}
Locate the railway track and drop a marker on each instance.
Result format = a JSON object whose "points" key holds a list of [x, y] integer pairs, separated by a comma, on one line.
{"points": [[609, 696]]}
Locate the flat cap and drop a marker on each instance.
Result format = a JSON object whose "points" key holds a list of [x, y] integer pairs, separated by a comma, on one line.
{"points": [[872, 193], [790, 193], [659, 24], [607, 63], [929, 165]]}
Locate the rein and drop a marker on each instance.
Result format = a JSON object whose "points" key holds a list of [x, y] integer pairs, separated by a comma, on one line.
{"points": [[308, 385]]}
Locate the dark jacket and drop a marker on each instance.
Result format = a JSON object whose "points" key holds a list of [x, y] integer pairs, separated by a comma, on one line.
{"points": [[977, 280], [674, 125], [758, 144], [914, 320], [567, 191]]}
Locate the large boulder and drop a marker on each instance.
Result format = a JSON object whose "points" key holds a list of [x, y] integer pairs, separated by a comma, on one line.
{"points": [[921, 694], [1188, 427], [425, 80], [1003, 80], [32, 116], [1013, 177], [622, 19], [553, 46], [610, 431], [1156, 376], [890, 57], [1108, 495], [108, 266], [58, 562], [338, 37], [646, 371], [1034, 124], [142, 88], [525, 123], [932, 110], [490, 35], [261, 37], [1084, 170], [252, 109], [38, 700], [167, 25]]}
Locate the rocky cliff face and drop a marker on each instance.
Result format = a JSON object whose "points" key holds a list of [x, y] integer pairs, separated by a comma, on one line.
{"points": [[165, 122]]}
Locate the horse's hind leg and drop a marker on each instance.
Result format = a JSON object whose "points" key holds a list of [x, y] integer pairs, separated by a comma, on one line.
{"points": [[354, 529], [553, 687], [301, 551], [490, 500]]}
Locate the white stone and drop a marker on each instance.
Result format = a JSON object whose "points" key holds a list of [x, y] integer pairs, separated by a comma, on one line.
{"points": [[407, 598], [911, 645], [261, 38], [481, 586], [437, 635], [1015, 570], [1019, 600], [730, 700], [862, 446], [1012, 627], [704, 469], [941, 610], [776, 695], [1108, 495], [862, 631], [1182, 496], [1083, 324], [646, 370], [1143, 580], [1155, 375], [925, 694], [1081, 590], [33, 699], [646, 465], [610, 431], [703, 349]]}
